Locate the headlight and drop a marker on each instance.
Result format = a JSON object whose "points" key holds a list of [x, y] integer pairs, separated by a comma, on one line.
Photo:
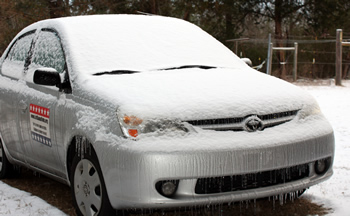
{"points": [[132, 126], [309, 110]]}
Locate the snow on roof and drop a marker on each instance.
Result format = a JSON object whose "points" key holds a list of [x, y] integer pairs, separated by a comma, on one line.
{"points": [[101, 43]]}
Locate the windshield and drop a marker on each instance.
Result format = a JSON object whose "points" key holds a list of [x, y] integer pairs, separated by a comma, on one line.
{"points": [[99, 44]]}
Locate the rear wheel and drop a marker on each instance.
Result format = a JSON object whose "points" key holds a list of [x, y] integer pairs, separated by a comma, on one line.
{"points": [[88, 187], [6, 168]]}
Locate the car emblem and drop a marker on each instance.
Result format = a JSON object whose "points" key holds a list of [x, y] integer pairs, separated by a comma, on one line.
{"points": [[253, 123]]}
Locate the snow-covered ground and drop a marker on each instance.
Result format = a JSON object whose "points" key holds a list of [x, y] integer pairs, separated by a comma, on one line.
{"points": [[16, 202], [334, 193], [335, 104]]}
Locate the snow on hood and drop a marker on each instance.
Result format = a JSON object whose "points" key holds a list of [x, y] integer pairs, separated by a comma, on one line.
{"points": [[190, 94]]}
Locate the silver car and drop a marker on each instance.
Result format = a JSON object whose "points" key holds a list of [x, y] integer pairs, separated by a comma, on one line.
{"points": [[137, 111]]}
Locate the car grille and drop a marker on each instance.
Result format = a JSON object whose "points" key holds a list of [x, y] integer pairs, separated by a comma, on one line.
{"points": [[251, 181], [239, 124]]}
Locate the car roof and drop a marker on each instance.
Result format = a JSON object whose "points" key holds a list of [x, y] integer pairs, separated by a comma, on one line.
{"points": [[99, 43]]}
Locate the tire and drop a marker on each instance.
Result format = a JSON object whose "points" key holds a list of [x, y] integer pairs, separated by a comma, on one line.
{"points": [[300, 193], [6, 168], [88, 188]]}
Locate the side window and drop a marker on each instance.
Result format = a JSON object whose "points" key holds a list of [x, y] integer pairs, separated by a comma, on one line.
{"points": [[48, 51], [15, 60], [19, 51]]}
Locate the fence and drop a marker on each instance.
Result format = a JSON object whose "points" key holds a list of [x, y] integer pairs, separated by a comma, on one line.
{"points": [[313, 58]]}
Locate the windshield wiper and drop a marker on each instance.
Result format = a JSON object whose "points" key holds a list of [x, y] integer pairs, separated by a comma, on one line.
{"points": [[116, 72], [190, 66], [172, 68]]}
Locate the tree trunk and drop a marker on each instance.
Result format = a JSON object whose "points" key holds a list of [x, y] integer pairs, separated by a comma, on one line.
{"points": [[187, 16], [346, 67], [282, 73], [229, 26], [154, 8], [56, 8]]}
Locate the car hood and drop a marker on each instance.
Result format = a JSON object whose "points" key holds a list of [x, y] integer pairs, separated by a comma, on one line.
{"points": [[192, 94]]}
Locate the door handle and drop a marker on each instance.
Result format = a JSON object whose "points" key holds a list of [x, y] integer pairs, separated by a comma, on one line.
{"points": [[22, 105]]}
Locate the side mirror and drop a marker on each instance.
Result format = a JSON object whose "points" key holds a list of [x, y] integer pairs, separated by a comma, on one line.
{"points": [[47, 76], [247, 61]]}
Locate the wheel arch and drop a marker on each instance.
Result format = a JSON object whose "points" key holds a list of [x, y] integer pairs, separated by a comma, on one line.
{"points": [[81, 148], [79, 144], [6, 151]]}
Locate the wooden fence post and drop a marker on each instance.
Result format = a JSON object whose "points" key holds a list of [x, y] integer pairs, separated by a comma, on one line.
{"points": [[269, 71], [338, 59], [269, 56], [295, 71]]}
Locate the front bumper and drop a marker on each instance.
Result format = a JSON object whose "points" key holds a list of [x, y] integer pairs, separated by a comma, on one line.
{"points": [[133, 173]]}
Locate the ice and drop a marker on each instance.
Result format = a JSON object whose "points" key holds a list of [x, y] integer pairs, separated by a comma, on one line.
{"points": [[134, 95], [83, 146]]}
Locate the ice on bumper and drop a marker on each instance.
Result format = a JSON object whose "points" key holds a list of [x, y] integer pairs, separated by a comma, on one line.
{"points": [[296, 145]]}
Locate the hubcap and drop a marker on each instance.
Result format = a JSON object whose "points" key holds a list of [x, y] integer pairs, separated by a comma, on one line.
{"points": [[87, 188]]}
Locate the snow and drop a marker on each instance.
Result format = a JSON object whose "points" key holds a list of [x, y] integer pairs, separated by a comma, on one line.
{"points": [[194, 94], [100, 43], [139, 43], [335, 104], [16, 202], [334, 193]]}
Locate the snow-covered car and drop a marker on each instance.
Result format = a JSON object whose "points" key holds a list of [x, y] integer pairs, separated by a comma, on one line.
{"points": [[137, 111]]}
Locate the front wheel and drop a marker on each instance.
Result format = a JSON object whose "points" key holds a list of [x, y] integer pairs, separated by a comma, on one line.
{"points": [[88, 187]]}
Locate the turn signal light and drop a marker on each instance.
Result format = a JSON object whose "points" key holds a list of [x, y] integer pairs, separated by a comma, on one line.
{"points": [[133, 132]]}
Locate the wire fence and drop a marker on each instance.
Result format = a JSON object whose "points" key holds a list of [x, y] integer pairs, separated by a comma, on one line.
{"points": [[316, 58]]}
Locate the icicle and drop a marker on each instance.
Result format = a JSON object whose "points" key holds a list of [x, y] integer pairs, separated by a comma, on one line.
{"points": [[254, 206], [285, 198], [292, 196], [280, 198], [83, 147], [240, 206]]}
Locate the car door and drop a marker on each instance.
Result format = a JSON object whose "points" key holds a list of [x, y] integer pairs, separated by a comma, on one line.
{"points": [[12, 69], [37, 109]]}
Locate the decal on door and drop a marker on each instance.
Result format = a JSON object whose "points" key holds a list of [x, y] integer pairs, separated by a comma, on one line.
{"points": [[39, 124]]}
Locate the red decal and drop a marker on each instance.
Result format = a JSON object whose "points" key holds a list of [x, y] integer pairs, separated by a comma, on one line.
{"points": [[42, 111]]}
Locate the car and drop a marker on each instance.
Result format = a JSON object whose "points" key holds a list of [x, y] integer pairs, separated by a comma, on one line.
{"points": [[151, 112]]}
